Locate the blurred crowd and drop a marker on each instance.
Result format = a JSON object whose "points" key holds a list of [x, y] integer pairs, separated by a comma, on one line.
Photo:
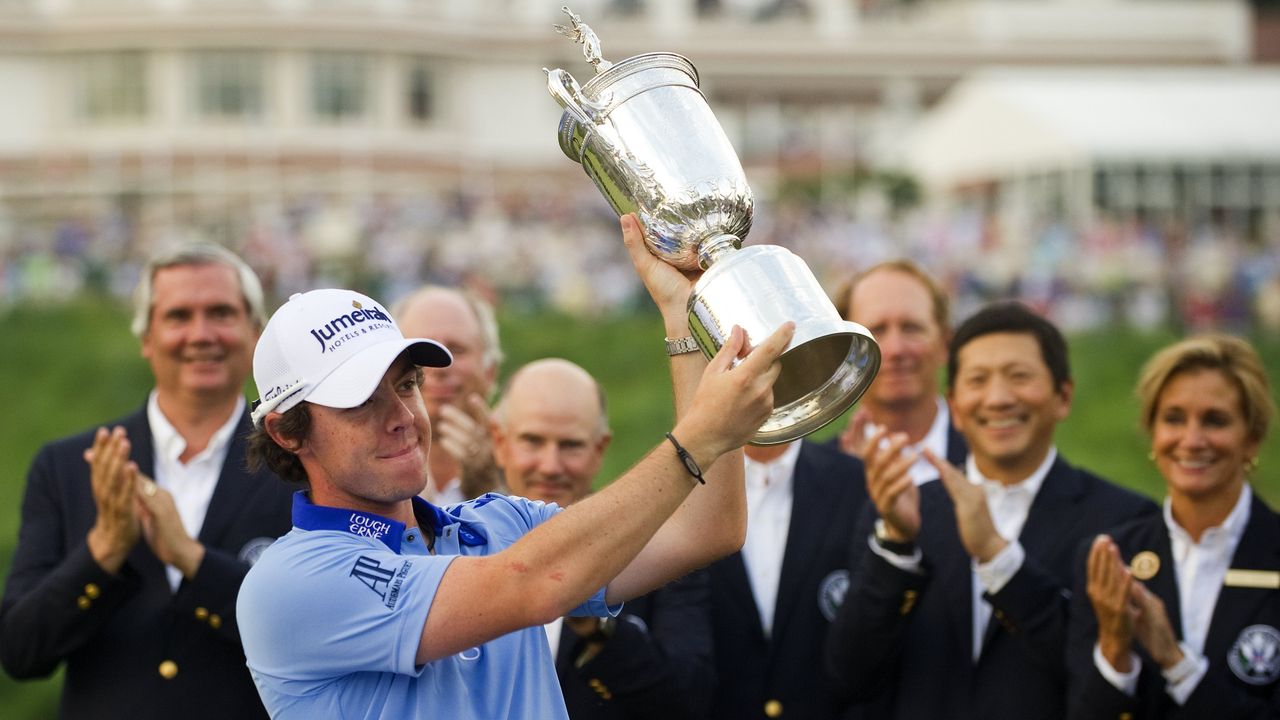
{"points": [[555, 247]]}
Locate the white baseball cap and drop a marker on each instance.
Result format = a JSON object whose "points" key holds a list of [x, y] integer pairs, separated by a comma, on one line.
{"points": [[331, 348]]}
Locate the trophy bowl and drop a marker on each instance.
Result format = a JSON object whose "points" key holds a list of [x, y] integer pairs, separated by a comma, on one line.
{"points": [[645, 135]]}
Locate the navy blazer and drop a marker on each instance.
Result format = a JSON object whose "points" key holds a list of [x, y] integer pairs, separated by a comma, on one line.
{"points": [[906, 639], [782, 673], [1242, 613], [658, 664], [114, 632]]}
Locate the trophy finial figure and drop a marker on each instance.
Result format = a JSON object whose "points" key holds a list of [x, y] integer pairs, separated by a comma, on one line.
{"points": [[580, 32]]}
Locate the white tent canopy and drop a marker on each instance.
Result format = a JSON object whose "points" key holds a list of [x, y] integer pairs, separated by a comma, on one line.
{"points": [[1002, 123]]}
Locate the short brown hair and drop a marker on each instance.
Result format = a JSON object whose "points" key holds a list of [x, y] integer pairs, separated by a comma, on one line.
{"points": [[1233, 357], [941, 305], [295, 424]]}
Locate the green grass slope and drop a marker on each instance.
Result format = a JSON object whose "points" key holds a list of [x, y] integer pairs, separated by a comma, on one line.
{"points": [[65, 368]]}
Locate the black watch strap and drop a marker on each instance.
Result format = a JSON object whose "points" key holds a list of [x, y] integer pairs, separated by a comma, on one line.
{"points": [[689, 463], [894, 546]]}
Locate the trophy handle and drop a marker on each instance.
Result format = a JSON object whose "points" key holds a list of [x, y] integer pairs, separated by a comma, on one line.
{"points": [[568, 93]]}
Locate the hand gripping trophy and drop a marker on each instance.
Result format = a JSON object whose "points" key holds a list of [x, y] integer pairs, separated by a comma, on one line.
{"points": [[642, 130]]}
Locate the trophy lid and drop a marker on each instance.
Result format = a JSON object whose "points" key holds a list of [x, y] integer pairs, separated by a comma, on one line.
{"points": [[624, 69]]}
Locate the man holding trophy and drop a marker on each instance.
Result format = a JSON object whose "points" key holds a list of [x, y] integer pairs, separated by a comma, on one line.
{"points": [[379, 604]]}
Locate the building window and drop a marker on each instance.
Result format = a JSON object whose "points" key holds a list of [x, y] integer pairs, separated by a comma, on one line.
{"points": [[229, 84], [109, 86], [340, 85], [421, 91]]}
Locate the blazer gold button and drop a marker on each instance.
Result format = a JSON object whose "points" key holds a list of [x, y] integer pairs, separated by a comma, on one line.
{"points": [[773, 709], [168, 669], [215, 621], [92, 591], [202, 614], [83, 602], [908, 602]]}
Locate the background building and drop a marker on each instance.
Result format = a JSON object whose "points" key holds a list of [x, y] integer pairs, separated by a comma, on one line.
{"points": [[383, 142]]}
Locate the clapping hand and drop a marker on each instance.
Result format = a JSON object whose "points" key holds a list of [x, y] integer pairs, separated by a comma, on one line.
{"points": [[890, 486], [1110, 586], [112, 475], [163, 530], [853, 439], [978, 531], [1126, 611]]}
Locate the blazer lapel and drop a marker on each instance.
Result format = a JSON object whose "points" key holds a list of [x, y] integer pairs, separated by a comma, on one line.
{"points": [[1259, 549], [1049, 517], [1165, 582], [1048, 520], [947, 561], [957, 448], [563, 661], [144, 454], [812, 504], [734, 576], [233, 488]]}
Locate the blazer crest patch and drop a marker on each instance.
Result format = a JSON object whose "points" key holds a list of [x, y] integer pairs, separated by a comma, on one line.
{"points": [[1255, 656], [831, 593]]}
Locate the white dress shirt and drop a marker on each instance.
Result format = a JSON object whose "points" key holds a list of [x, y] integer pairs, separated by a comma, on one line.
{"points": [[1201, 569], [935, 440], [769, 500], [191, 484]]}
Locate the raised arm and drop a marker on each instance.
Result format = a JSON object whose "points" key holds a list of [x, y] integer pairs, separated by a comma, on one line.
{"points": [[561, 562], [712, 523]]}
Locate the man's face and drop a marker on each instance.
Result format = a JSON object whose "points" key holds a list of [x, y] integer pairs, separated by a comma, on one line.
{"points": [[1005, 403], [374, 455], [444, 316], [898, 311], [549, 441], [200, 340]]}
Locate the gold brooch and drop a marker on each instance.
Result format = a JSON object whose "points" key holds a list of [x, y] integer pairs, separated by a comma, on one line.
{"points": [[1145, 565]]}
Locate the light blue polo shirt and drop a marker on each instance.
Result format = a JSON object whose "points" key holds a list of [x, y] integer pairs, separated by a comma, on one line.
{"points": [[331, 614]]}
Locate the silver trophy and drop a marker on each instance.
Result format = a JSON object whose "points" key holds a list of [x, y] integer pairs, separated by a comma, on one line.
{"points": [[645, 135]]}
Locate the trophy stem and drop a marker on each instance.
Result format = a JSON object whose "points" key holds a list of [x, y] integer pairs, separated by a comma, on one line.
{"points": [[716, 247]]}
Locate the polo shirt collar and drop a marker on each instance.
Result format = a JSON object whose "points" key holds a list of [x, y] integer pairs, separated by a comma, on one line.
{"points": [[309, 516]]}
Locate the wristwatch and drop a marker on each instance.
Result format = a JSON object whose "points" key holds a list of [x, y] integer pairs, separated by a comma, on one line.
{"points": [[680, 346], [894, 546]]}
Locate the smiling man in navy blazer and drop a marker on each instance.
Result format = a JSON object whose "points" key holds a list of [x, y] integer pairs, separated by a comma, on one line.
{"points": [[958, 602], [132, 582]]}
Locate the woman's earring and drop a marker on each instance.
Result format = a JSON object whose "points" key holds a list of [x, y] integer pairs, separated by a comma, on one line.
{"points": [[1151, 455]]}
